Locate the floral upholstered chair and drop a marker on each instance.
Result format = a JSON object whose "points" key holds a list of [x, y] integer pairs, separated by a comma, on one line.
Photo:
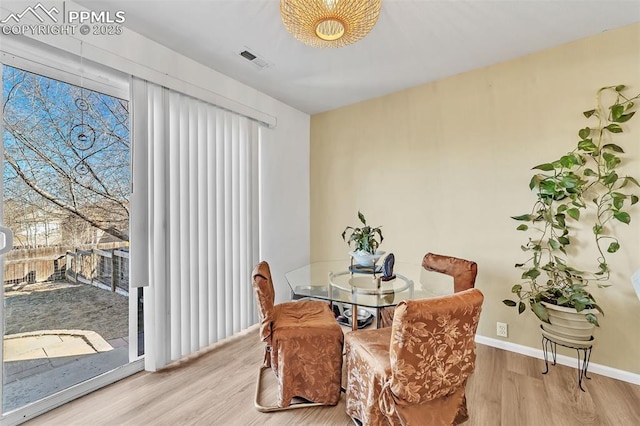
{"points": [[303, 347], [414, 372], [463, 271]]}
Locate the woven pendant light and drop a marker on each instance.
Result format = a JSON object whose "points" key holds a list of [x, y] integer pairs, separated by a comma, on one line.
{"points": [[329, 23]]}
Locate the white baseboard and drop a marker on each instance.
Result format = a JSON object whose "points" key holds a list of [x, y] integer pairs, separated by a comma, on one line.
{"points": [[603, 370]]}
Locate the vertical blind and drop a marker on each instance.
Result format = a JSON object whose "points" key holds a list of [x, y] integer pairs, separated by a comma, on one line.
{"points": [[194, 220]]}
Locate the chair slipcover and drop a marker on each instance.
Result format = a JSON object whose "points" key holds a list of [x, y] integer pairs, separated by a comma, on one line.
{"points": [[414, 372], [463, 272], [303, 344]]}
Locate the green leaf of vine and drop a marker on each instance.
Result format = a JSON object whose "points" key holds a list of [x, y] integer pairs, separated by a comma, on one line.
{"points": [[573, 213], [623, 217], [587, 145], [632, 180], [547, 167], [616, 111], [540, 311], [614, 128], [624, 117], [592, 319], [613, 147], [584, 133]]}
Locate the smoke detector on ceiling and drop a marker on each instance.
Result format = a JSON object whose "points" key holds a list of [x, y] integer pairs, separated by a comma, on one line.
{"points": [[254, 58]]}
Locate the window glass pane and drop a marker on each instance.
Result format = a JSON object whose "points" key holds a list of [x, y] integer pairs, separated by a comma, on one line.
{"points": [[66, 183]]}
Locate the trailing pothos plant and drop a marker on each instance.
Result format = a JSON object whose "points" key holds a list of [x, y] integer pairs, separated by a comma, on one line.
{"points": [[584, 184]]}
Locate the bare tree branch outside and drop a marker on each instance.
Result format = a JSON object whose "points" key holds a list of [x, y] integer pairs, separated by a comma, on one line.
{"points": [[67, 157]]}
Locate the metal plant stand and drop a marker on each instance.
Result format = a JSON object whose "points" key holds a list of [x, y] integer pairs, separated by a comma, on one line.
{"points": [[583, 351]]}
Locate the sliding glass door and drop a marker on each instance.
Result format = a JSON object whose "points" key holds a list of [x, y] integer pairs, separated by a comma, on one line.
{"points": [[68, 313]]}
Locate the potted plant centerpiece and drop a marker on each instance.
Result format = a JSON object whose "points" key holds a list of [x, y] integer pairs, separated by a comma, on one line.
{"points": [[366, 241], [580, 195]]}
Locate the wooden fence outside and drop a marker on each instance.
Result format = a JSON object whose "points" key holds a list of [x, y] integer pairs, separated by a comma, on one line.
{"points": [[109, 268], [89, 265]]}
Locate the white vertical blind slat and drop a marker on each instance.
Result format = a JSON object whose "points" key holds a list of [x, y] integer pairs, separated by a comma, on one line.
{"points": [[158, 218], [256, 140], [202, 262], [220, 223], [242, 217], [181, 109], [235, 219], [193, 204], [254, 211], [197, 233], [228, 223], [174, 226], [212, 239]]}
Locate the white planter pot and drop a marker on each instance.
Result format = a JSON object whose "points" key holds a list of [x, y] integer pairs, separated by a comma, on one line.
{"points": [[366, 259], [568, 324]]}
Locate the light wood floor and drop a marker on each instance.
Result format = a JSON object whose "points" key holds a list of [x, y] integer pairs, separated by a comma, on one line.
{"points": [[218, 387]]}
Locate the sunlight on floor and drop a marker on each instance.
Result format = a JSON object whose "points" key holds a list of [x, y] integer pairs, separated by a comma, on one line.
{"points": [[52, 344]]}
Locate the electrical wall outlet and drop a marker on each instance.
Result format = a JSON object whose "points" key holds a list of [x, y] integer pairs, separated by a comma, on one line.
{"points": [[502, 329]]}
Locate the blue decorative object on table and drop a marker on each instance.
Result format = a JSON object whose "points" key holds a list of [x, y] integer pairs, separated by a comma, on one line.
{"points": [[387, 268]]}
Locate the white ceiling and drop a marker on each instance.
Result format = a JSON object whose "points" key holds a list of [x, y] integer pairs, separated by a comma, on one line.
{"points": [[414, 42]]}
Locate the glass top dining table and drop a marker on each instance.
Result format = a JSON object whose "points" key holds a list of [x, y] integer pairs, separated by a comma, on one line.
{"points": [[340, 281]]}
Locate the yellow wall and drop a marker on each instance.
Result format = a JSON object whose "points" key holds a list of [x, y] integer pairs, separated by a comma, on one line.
{"points": [[444, 165]]}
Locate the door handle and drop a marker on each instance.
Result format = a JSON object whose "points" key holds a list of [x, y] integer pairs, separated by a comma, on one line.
{"points": [[8, 239]]}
